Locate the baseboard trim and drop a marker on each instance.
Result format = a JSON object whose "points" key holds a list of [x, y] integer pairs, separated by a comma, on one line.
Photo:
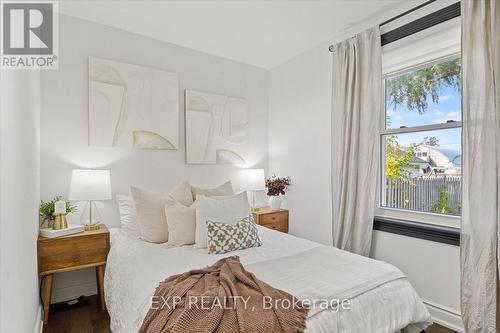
{"points": [[72, 292], [445, 316], [38, 321]]}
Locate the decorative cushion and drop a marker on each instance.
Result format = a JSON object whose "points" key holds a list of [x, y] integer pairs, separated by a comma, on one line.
{"points": [[223, 237], [226, 209], [181, 222], [151, 215], [182, 193], [222, 190], [128, 215]]}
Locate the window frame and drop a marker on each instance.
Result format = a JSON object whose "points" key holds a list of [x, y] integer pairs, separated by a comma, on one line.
{"points": [[452, 221]]}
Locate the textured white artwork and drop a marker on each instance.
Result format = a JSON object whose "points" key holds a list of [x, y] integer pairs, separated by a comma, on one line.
{"points": [[132, 106], [216, 129]]}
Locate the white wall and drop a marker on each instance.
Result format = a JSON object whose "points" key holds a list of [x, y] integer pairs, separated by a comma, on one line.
{"points": [[19, 197], [64, 123], [300, 146], [299, 130], [299, 139], [432, 268]]}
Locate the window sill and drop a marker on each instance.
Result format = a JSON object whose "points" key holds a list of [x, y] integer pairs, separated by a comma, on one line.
{"points": [[435, 233], [425, 218]]}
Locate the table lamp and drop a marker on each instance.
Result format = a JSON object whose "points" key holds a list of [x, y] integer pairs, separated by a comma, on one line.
{"points": [[90, 185], [253, 181]]}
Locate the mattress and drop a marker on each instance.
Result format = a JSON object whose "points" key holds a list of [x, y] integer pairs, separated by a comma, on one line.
{"points": [[135, 268]]}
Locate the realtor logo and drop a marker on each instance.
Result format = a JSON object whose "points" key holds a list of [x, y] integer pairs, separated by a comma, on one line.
{"points": [[29, 38]]}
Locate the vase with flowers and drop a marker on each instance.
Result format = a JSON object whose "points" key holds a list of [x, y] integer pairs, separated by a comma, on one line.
{"points": [[276, 187]]}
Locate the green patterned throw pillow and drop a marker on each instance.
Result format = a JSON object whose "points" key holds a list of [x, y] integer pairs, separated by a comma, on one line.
{"points": [[224, 237]]}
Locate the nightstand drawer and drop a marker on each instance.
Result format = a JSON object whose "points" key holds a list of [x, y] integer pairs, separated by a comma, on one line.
{"points": [[272, 219], [278, 226], [275, 217], [70, 252]]}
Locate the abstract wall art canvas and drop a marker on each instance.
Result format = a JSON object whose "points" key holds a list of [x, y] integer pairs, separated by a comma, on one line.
{"points": [[132, 106], [216, 129]]}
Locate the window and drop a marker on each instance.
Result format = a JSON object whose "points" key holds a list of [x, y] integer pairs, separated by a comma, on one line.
{"points": [[421, 141]]}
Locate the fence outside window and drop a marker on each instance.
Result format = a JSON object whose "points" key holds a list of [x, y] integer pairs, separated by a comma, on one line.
{"points": [[438, 194]]}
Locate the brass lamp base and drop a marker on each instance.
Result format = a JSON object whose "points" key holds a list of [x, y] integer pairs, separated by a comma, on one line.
{"points": [[60, 222], [92, 226]]}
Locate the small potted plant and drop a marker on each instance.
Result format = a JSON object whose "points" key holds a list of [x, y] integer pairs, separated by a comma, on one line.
{"points": [[47, 210], [276, 186]]}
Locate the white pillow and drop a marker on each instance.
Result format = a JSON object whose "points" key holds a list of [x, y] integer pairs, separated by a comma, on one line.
{"points": [[128, 215], [151, 215], [221, 190], [182, 193], [181, 222], [226, 209]]}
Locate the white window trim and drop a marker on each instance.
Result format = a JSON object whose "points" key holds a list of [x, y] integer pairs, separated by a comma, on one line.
{"points": [[446, 49], [433, 127], [422, 217], [433, 44]]}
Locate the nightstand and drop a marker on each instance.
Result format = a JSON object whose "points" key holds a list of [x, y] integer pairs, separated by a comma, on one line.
{"points": [[272, 219], [72, 252]]}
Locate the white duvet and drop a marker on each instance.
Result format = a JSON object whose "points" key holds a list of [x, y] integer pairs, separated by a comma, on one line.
{"points": [[380, 299]]}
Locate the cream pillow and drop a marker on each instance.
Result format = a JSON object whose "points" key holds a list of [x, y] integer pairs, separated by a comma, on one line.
{"points": [[226, 209], [151, 215], [181, 222], [222, 190], [128, 215], [182, 193]]}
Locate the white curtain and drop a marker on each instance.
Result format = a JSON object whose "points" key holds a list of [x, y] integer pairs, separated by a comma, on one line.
{"points": [[480, 240], [356, 117]]}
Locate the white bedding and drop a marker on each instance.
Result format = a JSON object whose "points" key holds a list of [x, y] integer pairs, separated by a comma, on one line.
{"points": [[381, 299]]}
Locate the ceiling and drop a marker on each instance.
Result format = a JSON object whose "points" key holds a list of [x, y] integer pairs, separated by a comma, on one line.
{"points": [[261, 33]]}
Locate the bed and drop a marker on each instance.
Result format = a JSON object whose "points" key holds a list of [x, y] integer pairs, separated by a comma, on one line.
{"points": [[380, 298]]}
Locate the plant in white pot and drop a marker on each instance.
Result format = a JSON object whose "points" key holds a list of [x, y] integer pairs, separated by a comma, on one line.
{"points": [[276, 187]]}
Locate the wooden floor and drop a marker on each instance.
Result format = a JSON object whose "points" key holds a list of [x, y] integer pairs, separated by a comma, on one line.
{"points": [[91, 319], [438, 329], [85, 319]]}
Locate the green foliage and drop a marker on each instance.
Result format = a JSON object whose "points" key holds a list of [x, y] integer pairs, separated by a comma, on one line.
{"points": [[47, 208], [397, 160], [443, 205], [413, 88]]}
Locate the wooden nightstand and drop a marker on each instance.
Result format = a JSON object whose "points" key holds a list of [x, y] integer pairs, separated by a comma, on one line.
{"points": [[72, 252], [272, 219]]}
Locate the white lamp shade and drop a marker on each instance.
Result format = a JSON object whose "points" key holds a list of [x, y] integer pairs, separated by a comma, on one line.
{"points": [[253, 180], [90, 185]]}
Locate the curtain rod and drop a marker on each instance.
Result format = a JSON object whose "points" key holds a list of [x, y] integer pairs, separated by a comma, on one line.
{"points": [[330, 48]]}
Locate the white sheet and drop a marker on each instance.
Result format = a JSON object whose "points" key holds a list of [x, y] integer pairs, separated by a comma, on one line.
{"points": [[135, 268]]}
